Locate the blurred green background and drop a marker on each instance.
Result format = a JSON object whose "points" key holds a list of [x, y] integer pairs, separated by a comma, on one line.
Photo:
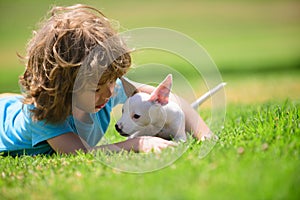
{"points": [[255, 44]]}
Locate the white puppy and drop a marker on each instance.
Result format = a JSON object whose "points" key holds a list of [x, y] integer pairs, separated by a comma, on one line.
{"points": [[153, 114]]}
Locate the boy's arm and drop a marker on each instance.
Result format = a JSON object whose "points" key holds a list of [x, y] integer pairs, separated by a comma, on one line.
{"points": [[67, 143], [70, 143]]}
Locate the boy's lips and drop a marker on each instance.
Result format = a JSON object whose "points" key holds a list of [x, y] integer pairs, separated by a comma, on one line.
{"points": [[101, 105]]}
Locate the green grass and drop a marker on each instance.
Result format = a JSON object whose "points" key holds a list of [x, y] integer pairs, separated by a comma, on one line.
{"points": [[256, 157]]}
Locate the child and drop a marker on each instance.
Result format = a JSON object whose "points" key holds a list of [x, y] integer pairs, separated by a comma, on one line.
{"points": [[63, 109]]}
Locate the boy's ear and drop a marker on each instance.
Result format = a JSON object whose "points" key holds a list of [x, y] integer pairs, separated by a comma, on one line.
{"points": [[129, 88], [162, 92]]}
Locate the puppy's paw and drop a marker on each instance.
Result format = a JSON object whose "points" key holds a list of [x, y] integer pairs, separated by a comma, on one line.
{"points": [[209, 136]]}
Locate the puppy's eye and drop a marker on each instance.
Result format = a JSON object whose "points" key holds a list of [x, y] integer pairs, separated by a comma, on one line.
{"points": [[136, 116]]}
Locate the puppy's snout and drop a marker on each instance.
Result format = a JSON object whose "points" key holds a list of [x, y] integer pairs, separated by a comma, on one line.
{"points": [[119, 129]]}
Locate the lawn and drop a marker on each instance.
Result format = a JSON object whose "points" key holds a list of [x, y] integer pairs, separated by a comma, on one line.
{"points": [[255, 45], [256, 157]]}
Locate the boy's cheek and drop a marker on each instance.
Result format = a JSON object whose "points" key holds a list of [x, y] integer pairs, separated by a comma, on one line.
{"points": [[85, 101], [86, 107]]}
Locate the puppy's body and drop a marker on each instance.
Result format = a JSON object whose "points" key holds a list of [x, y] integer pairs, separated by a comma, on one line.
{"points": [[154, 115]]}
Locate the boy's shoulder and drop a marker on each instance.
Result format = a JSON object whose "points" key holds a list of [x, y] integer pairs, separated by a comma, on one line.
{"points": [[10, 100]]}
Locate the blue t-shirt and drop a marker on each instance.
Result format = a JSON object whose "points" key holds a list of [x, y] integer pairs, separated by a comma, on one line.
{"points": [[20, 135]]}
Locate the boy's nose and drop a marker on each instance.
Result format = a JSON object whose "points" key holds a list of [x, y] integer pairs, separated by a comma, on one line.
{"points": [[109, 91]]}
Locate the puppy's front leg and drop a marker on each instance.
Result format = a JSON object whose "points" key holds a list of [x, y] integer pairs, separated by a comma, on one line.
{"points": [[179, 131], [180, 135]]}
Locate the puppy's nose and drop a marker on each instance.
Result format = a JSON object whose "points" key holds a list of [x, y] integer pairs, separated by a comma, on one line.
{"points": [[118, 128]]}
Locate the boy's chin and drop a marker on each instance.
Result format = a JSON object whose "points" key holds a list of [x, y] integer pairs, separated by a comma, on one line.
{"points": [[96, 110]]}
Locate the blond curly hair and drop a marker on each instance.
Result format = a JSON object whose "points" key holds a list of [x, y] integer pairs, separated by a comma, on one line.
{"points": [[70, 38]]}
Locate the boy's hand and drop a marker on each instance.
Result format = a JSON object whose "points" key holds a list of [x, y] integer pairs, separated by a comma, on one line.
{"points": [[153, 144]]}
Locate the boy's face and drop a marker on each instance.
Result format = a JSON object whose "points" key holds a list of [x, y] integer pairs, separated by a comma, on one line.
{"points": [[91, 99]]}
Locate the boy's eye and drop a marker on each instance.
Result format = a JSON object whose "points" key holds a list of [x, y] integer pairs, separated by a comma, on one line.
{"points": [[109, 82], [136, 116]]}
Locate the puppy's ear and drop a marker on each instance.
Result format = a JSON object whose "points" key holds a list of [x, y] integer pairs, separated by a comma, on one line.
{"points": [[129, 88], [162, 91]]}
